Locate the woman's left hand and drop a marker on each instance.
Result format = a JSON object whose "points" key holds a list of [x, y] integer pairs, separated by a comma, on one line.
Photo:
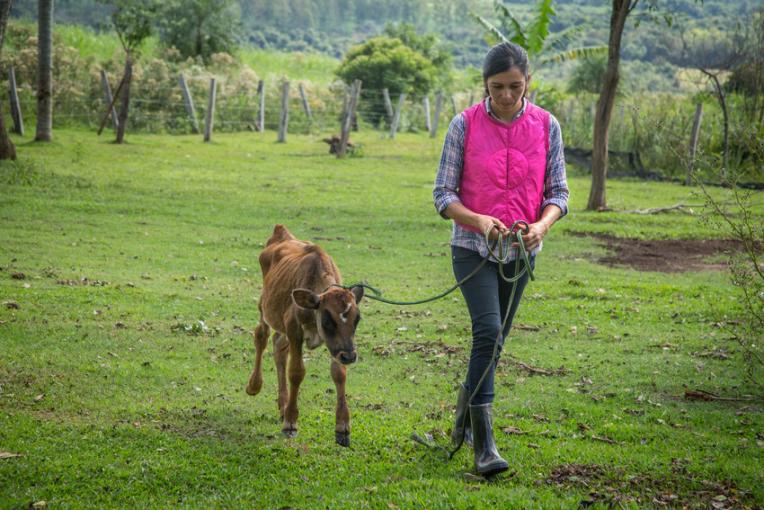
{"points": [[536, 232]]}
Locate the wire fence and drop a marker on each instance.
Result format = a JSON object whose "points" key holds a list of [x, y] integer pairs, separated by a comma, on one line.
{"points": [[646, 138]]}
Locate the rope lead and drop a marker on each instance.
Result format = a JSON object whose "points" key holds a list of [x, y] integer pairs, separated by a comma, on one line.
{"points": [[502, 257]]}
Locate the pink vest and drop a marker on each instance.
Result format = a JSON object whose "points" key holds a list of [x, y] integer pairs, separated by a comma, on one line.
{"points": [[505, 164]]}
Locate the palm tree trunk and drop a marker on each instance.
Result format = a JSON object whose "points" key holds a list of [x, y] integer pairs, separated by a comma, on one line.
{"points": [[597, 195], [7, 149], [44, 70], [125, 99]]}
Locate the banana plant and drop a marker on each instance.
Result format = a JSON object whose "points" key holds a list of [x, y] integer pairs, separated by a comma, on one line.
{"points": [[542, 46]]}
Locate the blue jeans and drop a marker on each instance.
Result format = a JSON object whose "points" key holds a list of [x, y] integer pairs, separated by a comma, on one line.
{"points": [[487, 297]]}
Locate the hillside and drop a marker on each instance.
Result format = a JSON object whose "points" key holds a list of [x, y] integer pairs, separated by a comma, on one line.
{"points": [[331, 26]]}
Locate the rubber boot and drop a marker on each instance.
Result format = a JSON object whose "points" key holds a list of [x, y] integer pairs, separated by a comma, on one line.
{"points": [[462, 430], [487, 459]]}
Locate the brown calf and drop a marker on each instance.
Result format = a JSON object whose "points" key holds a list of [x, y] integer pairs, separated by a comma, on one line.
{"points": [[300, 304]]}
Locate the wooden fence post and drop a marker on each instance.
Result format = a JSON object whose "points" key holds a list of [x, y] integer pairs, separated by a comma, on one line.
{"points": [[305, 105], [436, 118], [261, 107], [210, 111], [471, 99], [388, 105], [189, 102], [284, 116], [347, 118], [694, 142], [109, 99], [426, 107], [18, 121], [397, 115], [453, 106]]}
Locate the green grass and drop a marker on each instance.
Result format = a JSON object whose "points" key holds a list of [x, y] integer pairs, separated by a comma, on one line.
{"points": [[274, 65], [113, 405]]}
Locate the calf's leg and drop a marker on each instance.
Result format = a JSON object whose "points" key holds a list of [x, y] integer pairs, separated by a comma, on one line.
{"points": [[280, 354], [342, 415], [296, 375], [261, 339]]}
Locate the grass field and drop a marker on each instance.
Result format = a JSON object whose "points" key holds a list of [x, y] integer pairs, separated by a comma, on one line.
{"points": [[117, 396]]}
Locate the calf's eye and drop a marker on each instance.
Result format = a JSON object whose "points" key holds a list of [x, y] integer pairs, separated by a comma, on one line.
{"points": [[327, 322]]}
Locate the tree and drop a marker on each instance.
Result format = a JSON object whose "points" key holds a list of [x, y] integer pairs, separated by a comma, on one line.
{"points": [[427, 45], [543, 47], [200, 27], [604, 110], [748, 75], [7, 149], [132, 22], [44, 70], [384, 62], [618, 15], [713, 54]]}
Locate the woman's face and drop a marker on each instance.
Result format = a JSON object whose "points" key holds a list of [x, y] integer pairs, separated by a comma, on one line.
{"points": [[506, 90]]}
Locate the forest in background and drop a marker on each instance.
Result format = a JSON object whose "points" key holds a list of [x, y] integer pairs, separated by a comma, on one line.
{"points": [[331, 26]]}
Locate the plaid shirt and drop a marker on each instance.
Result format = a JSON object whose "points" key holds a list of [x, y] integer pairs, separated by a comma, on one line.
{"points": [[449, 176]]}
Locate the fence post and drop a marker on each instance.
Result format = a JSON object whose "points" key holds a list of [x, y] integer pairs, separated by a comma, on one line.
{"points": [[284, 116], [109, 99], [261, 106], [18, 121], [471, 99], [210, 111], [347, 118], [189, 102], [453, 106], [397, 115], [532, 99], [305, 104], [426, 107], [436, 118], [694, 142], [388, 105]]}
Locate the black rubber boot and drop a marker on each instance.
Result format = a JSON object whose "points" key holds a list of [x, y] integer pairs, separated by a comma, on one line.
{"points": [[487, 459], [462, 430]]}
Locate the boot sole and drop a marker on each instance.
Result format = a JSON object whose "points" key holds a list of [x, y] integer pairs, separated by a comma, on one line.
{"points": [[494, 469]]}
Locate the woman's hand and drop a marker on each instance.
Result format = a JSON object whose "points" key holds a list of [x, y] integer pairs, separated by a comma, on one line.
{"points": [[486, 223], [534, 236]]}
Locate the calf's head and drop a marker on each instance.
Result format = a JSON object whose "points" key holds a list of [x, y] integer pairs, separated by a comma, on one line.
{"points": [[337, 316]]}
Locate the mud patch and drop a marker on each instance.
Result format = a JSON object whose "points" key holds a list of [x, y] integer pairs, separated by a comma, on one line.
{"points": [[665, 255]]}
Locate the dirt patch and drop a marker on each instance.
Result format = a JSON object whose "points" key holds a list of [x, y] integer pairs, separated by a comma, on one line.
{"points": [[615, 487], [665, 255]]}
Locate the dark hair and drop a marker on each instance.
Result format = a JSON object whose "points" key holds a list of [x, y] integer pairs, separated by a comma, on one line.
{"points": [[503, 57]]}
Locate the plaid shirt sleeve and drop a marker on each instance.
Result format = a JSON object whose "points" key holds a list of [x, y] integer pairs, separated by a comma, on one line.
{"points": [[450, 167], [556, 183]]}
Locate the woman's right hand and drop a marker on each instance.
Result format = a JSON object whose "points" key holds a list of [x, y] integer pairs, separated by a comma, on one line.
{"points": [[486, 223]]}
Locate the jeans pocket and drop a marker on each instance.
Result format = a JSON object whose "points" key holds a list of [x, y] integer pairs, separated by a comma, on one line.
{"points": [[461, 255]]}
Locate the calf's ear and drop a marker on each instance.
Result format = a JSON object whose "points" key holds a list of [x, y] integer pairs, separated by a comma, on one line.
{"points": [[357, 292], [305, 298]]}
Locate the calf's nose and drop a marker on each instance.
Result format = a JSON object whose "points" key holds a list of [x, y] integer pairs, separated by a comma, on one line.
{"points": [[348, 357]]}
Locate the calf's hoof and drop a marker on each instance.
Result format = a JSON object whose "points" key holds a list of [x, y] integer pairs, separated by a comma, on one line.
{"points": [[254, 385], [342, 438], [289, 432]]}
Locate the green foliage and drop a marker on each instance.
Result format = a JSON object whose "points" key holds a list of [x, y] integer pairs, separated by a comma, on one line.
{"points": [[587, 76], [133, 20], [427, 45], [384, 62], [535, 35], [200, 27]]}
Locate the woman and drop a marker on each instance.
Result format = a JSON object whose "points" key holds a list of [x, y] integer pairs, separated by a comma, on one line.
{"points": [[502, 162]]}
